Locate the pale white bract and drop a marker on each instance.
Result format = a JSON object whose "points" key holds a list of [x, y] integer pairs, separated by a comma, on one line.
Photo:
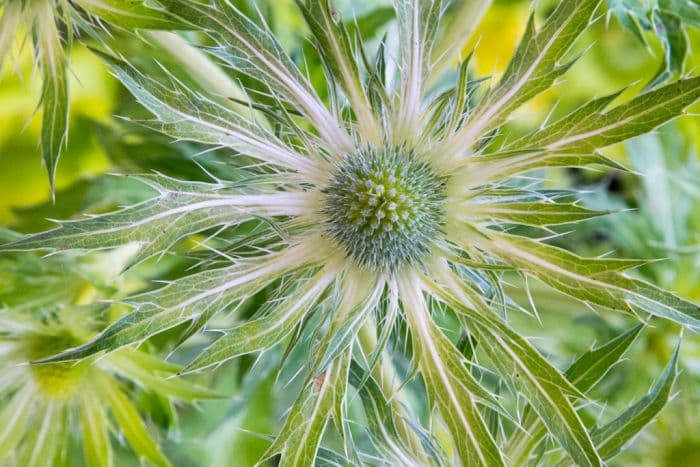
{"points": [[363, 308]]}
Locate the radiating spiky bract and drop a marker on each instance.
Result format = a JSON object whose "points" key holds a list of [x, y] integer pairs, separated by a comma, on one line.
{"points": [[397, 261]]}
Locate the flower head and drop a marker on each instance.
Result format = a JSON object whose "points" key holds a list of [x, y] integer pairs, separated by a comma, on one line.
{"points": [[384, 207], [374, 212], [43, 405]]}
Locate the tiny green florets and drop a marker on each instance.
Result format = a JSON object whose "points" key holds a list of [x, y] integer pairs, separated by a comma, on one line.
{"points": [[385, 207], [56, 380]]}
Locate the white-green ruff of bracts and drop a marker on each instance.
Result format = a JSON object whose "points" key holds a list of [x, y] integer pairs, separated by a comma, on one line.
{"points": [[377, 208]]}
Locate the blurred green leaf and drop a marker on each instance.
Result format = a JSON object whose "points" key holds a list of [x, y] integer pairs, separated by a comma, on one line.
{"points": [[665, 18], [611, 437]]}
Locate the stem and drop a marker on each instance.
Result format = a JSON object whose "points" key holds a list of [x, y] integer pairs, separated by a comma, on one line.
{"points": [[385, 375]]}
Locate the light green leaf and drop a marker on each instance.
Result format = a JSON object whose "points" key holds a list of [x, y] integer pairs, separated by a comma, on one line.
{"points": [[480, 170], [334, 40], [7, 235], [10, 21], [130, 423], [253, 50], [597, 281], [42, 447], [278, 321], [130, 14], [300, 436], [361, 294], [611, 437], [463, 18], [13, 420], [590, 367], [589, 128], [534, 214], [185, 113], [544, 394], [54, 93], [150, 372], [95, 427], [381, 418], [184, 300], [525, 370], [532, 70], [584, 373], [180, 209], [450, 384], [418, 21], [665, 18]]}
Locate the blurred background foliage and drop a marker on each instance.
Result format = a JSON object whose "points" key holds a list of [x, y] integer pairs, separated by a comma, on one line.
{"points": [[660, 218]]}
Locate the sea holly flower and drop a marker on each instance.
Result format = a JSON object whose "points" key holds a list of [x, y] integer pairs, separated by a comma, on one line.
{"points": [[44, 409], [52, 25], [43, 405], [377, 213]]}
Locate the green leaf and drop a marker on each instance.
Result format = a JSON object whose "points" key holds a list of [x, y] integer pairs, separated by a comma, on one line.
{"points": [[278, 321], [253, 50], [665, 18], [544, 394], [584, 373], [334, 41], [156, 375], [369, 24], [590, 367], [7, 235], [130, 14], [14, 418], [361, 294], [380, 417], [532, 70], [10, 21], [95, 427], [524, 369], [180, 209], [42, 446], [130, 423], [534, 214], [612, 437], [460, 22], [589, 128], [418, 21], [185, 113], [300, 436], [449, 383], [597, 281], [54, 93], [480, 170], [184, 300]]}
